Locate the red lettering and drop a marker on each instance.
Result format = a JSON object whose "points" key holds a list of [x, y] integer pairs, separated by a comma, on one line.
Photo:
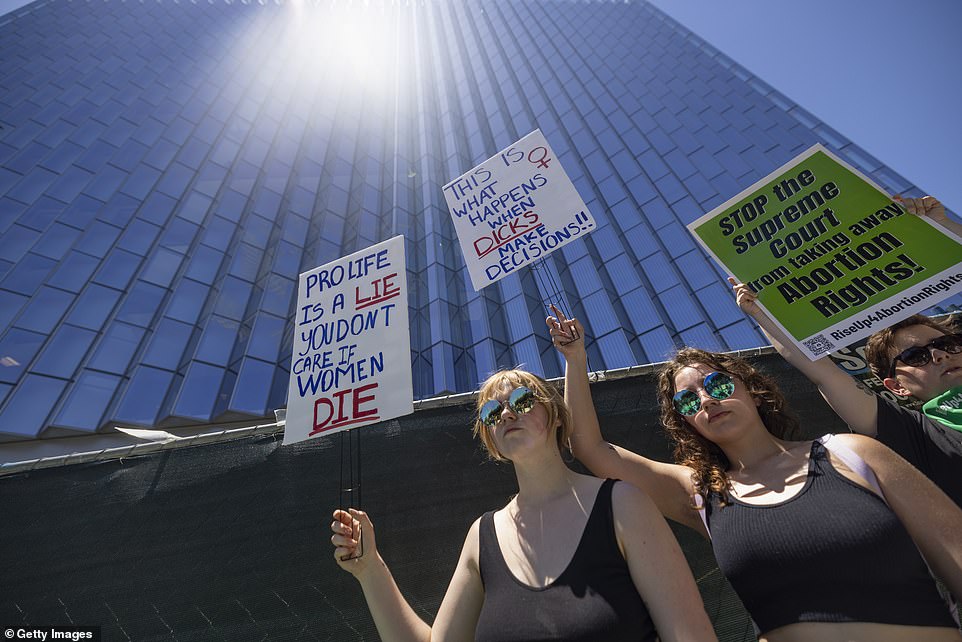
{"points": [[349, 400], [506, 233], [384, 289], [358, 400]]}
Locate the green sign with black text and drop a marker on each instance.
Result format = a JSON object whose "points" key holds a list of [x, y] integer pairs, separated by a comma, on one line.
{"points": [[832, 257]]}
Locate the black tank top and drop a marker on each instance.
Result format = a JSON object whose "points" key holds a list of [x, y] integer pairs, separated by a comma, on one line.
{"points": [[834, 552], [593, 599]]}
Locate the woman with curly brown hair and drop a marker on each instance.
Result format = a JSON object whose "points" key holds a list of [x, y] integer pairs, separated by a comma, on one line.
{"points": [[570, 557], [820, 539]]}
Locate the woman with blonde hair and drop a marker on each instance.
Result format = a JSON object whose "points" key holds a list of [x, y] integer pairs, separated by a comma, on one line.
{"points": [[570, 557], [820, 539]]}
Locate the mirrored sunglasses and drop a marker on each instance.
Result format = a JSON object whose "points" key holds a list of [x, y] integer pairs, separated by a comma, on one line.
{"points": [[918, 356], [718, 385], [520, 401]]}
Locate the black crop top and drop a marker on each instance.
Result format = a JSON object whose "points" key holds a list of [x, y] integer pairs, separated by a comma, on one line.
{"points": [[834, 552], [593, 599]]}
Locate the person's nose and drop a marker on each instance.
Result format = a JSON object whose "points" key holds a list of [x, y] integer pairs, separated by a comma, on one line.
{"points": [[507, 413], [705, 398]]}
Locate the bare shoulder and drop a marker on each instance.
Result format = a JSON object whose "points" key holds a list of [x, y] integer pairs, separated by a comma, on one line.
{"points": [[630, 503], [470, 552], [869, 448]]}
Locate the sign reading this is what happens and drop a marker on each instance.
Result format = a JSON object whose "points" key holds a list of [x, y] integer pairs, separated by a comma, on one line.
{"points": [[515, 208]]}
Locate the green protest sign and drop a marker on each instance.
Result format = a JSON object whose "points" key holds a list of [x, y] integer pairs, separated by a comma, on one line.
{"points": [[832, 258]]}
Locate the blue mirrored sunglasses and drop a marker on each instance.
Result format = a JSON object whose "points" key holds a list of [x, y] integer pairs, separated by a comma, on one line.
{"points": [[718, 385], [520, 401]]}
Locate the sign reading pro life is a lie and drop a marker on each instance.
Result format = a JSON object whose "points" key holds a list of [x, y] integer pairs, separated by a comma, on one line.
{"points": [[515, 208], [351, 363], [832, 258]]}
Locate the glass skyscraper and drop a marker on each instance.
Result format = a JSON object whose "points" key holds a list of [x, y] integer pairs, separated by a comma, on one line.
{"points": [[167, 168]]}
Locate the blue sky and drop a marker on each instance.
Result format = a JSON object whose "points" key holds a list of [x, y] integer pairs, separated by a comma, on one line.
{"points": [[887, 74]]}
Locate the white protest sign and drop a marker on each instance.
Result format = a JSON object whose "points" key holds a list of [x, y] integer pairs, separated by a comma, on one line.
{"points": [[352, 349], [515, 208]]}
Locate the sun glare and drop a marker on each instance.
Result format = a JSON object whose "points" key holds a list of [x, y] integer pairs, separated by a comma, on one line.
{"points": [[354, 39]]}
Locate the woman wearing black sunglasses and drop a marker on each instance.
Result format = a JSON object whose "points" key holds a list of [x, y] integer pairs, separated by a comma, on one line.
{"points": [[570, 557], [800, 528]]}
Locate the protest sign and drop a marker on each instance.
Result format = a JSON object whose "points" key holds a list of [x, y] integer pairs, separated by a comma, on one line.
{"points": [[513, 209], [832, 258], [351, 364]]}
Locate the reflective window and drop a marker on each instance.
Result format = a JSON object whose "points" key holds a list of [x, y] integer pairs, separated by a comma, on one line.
{"points": [[106, 182], [253, 387], [70, 184], [27, 275], [27, 409], [74, 271], [204, 264], [16, 240], [266, 337], [88, 399], [45, 310], [167, 344], [81, 212], [157, 208], [116, 348], [199, 392], [64, 351], [218, 340], [232, 300], [187, 301], [56, 240], [144, 396], [97, 239], [141, 304], [31, 186], [175, 180], [162, 267], [117, 269], [616, 351], [178, 235], [138, 237], [657, 344], [195, 207], [279, 295], [17, 350], [701, 336], [142, 179]]}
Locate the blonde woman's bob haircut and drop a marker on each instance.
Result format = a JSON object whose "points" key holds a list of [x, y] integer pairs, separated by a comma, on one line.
{"points": [[545, 393]]}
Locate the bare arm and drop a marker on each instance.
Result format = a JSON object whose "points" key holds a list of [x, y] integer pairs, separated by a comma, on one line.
{"points": [[930, 207], [393, 616], [658, 568], [669, 485], [852, 402], [931, 518]]}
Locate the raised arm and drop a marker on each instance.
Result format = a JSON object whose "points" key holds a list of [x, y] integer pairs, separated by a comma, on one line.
{"points": [[852, 402], [930, 517], [393, 616], [658, 568], [669, 486], [931, 208]]}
